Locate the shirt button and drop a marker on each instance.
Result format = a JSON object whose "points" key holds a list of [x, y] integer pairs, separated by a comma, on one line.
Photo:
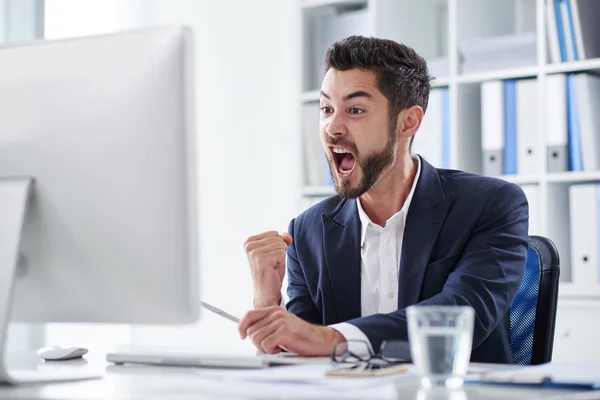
{"points": [[390, 295]]}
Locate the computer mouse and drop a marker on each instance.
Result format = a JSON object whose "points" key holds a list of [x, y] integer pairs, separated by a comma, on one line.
{"points": [[56, 353]]}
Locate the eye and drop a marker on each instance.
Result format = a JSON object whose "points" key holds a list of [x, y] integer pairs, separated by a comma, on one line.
{"points": [[326, 110], [356, 111]]}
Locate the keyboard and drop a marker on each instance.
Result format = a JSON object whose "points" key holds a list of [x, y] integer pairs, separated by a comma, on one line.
{"points": [[210, 360]]}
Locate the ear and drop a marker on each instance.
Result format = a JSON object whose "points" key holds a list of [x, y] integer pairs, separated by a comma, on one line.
{"points": [[409, 121]]}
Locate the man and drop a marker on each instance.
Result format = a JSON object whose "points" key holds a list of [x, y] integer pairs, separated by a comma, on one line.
{"points": [[399, 232]]}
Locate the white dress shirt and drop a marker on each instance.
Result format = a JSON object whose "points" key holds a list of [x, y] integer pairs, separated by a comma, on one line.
{"points": [[380, 264]]}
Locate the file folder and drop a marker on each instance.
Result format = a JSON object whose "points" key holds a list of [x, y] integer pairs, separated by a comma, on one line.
{"points": [[587, 101], [585, 15], [557, 152], [549, 375], [552, 32], [571, 29], [560, 28], [584, 210], [510, 127], [492, 127], [575, 155], [567, 31], [527, 132]]}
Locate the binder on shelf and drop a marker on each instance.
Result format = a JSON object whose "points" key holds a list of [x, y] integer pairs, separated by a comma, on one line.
{"points": [[527, 131], [552, 32], [510, 127], [560, 30], [568, 5], [584, 211], [575, 157], [479, 54], [557, 155], [492, 127], [432, 140], [587, 98], [586, 30], [567, 30], [573, 29], [532, 193]]}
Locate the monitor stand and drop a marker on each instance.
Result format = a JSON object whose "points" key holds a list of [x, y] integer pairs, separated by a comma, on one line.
{"points": [[14, 197]]}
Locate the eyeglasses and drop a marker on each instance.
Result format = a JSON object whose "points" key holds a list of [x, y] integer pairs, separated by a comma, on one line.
{"points": [[357, 351]]}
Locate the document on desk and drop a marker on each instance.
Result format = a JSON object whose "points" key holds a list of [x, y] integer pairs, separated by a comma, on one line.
{"points": [[295, 382], [552, 375], [312, 374]]}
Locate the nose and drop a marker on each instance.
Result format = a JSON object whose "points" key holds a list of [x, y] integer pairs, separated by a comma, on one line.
{"points": [[335, 125]]}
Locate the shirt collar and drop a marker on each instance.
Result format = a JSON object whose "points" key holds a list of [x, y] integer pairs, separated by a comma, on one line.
{"points": [[364, 218]]}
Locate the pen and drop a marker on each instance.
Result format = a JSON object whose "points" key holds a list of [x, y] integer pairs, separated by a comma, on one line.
{"points": [[221, 312]]}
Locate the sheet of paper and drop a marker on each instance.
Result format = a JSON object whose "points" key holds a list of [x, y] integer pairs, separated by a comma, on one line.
{"points": [[252, 390], [303, 375], [290, 382]]}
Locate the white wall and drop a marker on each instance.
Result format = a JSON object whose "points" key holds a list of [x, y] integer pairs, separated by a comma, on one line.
{"points": [[69, 18], [248, 96], [248, 87]]}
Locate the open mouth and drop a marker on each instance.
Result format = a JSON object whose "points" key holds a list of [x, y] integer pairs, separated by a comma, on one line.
{"points": [[344, 161]]}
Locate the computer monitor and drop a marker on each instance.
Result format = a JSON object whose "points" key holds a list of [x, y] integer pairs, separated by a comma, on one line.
{"points": [[103, 129]]}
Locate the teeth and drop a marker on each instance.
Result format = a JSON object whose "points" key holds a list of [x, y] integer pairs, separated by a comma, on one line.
{"points": [[340, 151]]}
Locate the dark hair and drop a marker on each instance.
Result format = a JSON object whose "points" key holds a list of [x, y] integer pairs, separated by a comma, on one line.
{"points": [[402, 74]]}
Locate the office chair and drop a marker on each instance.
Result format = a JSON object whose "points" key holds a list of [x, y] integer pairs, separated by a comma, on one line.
{"points": [[533, 311]]}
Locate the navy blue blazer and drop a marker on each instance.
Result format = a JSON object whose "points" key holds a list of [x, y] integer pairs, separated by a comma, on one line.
{"points": [[465, 243]]}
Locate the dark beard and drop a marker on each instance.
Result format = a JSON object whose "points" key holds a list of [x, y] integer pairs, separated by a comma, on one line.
{"points": [[372, 167]]}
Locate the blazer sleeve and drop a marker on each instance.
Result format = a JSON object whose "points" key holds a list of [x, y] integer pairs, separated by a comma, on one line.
{"points": [[301, 302], [486, 277]]}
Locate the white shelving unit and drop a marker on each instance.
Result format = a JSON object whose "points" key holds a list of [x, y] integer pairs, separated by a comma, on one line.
{"points": [[434, 28]]}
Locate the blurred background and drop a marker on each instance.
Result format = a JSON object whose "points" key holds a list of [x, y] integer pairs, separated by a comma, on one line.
{"points": [[515, 95]]}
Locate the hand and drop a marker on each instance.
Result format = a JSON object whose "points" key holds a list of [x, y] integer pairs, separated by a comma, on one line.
{"points": [[273, 329], [266, 254]]}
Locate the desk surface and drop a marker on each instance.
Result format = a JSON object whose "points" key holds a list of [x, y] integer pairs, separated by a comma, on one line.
{"points": [[151, 383]]}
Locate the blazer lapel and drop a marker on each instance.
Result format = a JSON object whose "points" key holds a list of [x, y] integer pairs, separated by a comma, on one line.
{"points": [[426, 214], [341, 237]]}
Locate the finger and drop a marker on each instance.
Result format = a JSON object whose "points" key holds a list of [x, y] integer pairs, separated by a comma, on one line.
{"points": [[253, 317], [272, 343], [275, 315], [260, 236], [267, 246], [259, 335], [277, 254], [262, 243], [286, 238]]}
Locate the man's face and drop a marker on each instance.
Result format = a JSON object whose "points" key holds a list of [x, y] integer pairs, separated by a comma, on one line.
{"points": [[355, 129]]}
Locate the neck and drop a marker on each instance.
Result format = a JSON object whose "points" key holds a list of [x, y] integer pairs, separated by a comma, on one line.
{"points": [[390, 192]]}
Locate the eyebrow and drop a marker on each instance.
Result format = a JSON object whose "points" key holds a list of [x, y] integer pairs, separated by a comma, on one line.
{"points": [[360, 93]]}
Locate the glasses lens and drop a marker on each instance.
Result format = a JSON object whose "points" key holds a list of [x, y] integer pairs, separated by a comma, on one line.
{"points": [[340, 351], [395, 351], [351, 351]]}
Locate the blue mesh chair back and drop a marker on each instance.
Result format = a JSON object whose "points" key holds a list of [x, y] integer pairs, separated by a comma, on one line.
{"points": [[533, 310]]}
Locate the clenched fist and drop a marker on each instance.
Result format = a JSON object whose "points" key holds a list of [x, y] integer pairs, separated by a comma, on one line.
{"points": [[266, 254]]}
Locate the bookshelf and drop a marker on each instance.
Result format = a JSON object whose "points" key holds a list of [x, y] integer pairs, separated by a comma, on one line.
{"points": [[436, 29]]}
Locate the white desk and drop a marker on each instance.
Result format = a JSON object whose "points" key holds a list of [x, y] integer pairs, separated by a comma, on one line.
{"points": [[151, 383]]}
